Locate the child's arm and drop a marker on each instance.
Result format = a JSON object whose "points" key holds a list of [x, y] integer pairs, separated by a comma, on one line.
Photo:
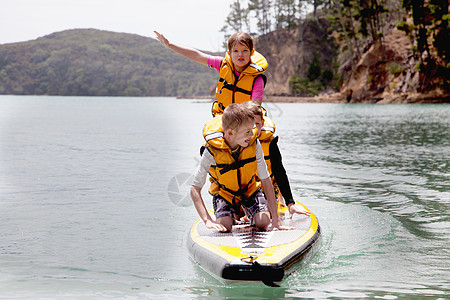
{"points": [[202, 211], [190, 53], [268, 188], [272, 204], [258, 91], [196, 195], [271, 201], [279, 172], [282, 180]]}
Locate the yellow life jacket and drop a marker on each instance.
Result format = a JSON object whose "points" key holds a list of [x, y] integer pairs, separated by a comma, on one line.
{"points": [[233, 89], [266, 136], [232, 179]]}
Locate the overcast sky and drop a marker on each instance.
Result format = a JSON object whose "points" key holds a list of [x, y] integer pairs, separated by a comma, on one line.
{"points": [[194, 23]]}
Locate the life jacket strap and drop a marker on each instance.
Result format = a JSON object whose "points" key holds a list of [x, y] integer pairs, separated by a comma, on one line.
{"points": [[239, 193], [224, 168], [232, 87]]}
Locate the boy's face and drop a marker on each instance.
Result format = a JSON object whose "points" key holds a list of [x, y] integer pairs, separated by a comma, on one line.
{"points": [[240, 56], [243, 135], [259, 123]]}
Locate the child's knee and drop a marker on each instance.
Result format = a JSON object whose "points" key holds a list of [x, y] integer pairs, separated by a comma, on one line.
{"points": [[227, 222], [262, 220]]}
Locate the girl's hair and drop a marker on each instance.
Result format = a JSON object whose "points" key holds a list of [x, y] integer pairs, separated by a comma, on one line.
{"points": [[235, 115], [240, 38], [254, 108]]}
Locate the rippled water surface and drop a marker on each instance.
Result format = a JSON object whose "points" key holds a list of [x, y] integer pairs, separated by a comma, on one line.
{"points": [[92, 199]]}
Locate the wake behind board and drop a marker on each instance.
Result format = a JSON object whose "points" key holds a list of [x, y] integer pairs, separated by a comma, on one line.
{"points": [[246, 253]]}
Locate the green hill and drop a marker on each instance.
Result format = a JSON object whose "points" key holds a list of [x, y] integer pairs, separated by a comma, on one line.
{"points": [[99, 63]]}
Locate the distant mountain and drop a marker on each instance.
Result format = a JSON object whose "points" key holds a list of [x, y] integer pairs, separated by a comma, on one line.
{"points": [[99, 63]]}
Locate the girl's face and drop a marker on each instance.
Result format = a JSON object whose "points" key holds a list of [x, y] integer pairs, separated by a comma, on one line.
{"points": [[240, 56]]}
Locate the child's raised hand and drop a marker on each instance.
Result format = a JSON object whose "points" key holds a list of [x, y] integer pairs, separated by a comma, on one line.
{"points": [[162, 39]]}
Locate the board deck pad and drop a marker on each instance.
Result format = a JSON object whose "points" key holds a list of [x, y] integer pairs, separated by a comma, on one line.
{"points": [[251, 240]]}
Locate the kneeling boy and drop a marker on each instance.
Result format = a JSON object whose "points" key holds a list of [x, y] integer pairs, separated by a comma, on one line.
{"points": [[234, 160]]}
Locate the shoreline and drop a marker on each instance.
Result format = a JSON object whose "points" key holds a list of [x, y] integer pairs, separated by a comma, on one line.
{"points": [[407, 98]]}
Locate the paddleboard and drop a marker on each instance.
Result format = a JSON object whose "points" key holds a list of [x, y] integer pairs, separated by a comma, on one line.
{"points": [[246, 253]]}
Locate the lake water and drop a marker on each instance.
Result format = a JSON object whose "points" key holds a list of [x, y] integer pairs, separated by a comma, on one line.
{"points": [[93, 206]]}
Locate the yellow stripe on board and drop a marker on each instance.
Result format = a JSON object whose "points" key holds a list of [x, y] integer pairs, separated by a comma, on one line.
{"points": [[277, 253], [227, 252]]}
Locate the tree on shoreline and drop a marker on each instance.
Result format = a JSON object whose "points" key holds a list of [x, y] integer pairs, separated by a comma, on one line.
{"points": [[359, 24]]}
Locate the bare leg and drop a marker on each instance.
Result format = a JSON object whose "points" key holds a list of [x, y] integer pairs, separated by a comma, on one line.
{"points": [[262, 220], [227, 222]]}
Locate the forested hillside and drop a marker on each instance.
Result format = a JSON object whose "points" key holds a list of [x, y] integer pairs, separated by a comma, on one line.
{"points": [[356, 51], [99, 63]]}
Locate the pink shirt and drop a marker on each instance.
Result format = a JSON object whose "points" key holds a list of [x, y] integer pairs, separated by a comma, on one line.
{"points": [[258, 87]]}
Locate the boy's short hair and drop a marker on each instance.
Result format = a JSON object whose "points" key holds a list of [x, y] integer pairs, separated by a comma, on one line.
{"points": [[255, 108], [235, 115], [240, 38]]}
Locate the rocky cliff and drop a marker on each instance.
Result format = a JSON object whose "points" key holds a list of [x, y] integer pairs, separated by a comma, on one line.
{"points": [[386, 73], [291, 51]]}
